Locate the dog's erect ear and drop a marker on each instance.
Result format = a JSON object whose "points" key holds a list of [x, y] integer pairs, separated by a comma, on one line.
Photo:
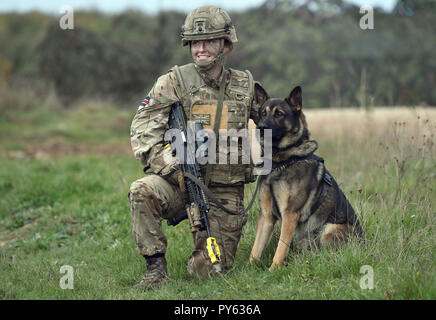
{"points": [[260, 94], [295, 99]]}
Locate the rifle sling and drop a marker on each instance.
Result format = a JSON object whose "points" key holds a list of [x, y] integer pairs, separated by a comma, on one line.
{"points": [[216, 127]]}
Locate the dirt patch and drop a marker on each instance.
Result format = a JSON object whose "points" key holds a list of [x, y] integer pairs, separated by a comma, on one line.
{"points": [[20, 233], [58, 148]]}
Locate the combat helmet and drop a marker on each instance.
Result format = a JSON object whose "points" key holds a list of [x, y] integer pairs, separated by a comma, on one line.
{"points": [[205, 23], [208, 22]]}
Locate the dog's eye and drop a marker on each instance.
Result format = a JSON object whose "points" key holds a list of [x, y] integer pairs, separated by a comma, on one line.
{"points": [[278, 114], [263, 113]]}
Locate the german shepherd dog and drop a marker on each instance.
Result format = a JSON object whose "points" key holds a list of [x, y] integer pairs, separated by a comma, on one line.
{"points": [[299, 190]]}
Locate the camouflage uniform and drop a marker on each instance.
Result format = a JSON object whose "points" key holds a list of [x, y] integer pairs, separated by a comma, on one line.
{"points": [[154, 198]]}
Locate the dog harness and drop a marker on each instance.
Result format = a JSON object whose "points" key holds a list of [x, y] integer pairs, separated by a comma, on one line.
{"points": [[327, 179], [327, 182]]}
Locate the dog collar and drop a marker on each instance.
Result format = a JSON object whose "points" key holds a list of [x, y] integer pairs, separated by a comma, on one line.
{"points": [[284, 164]]}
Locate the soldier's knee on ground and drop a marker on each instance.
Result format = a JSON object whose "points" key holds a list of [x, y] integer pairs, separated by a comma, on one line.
{"points": [[226, 228], [199, 265]]}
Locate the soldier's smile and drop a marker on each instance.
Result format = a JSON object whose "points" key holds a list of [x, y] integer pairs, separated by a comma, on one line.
{"points": [[203, 57], [204, 50]]}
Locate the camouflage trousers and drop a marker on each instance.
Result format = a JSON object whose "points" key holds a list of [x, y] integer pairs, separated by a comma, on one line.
{"points": [[153, 199]]}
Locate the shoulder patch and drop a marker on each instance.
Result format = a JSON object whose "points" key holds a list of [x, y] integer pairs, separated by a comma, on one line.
{"points": [[145, 102]]}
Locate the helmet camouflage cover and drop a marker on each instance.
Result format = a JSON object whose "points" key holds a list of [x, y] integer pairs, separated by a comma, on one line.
{"points": [[208, 22]]}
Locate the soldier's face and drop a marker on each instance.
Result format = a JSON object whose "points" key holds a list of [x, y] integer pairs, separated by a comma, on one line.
{"points": [[207, 50], [204, 50]]}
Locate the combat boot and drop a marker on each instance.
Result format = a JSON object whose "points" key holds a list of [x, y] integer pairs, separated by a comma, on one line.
{"points": [[156, 272]]}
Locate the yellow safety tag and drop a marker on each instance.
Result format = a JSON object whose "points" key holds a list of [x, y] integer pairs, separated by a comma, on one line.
{"points": [[166, 146], [214, 255]]}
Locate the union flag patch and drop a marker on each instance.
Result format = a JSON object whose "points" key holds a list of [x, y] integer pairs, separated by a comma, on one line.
{"points": [[145, 101]]}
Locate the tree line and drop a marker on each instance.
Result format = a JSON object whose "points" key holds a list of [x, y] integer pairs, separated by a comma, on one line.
{"points": [[316, 44]]}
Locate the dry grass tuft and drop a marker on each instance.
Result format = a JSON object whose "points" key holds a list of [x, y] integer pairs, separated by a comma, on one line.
{"points": [[375, 123]]}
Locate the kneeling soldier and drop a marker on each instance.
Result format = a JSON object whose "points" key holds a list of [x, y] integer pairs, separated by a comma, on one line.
{"points": [[204, 88]]}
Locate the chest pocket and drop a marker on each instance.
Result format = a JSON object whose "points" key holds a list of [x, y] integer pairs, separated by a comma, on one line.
{"points": [[237, 116], [234, 114]]}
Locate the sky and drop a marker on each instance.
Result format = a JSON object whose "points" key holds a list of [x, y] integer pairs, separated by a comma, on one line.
{"points": [[149, 6]]}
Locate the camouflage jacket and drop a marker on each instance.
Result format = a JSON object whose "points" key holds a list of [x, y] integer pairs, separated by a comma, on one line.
{"points": [[199, 97]]}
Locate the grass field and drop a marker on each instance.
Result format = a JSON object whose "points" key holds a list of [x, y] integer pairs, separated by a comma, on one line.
{"points": [[65, 174]]}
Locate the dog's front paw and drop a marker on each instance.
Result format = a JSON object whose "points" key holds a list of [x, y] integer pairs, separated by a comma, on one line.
{"points": [[253, 259], [275, 266]]}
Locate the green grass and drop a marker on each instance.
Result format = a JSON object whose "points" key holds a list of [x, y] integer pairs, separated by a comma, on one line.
{"points": [[89, 123], [74, 211]]}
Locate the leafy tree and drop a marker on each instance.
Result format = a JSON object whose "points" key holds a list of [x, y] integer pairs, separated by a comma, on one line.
{"points": [[314, 43]]}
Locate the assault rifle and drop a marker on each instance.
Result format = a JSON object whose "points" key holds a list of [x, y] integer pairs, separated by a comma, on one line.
{"points": [[196, 211]]}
